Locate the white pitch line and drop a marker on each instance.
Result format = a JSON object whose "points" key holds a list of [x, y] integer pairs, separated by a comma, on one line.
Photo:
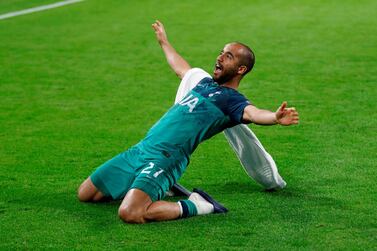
{"points": [[39, 8]]}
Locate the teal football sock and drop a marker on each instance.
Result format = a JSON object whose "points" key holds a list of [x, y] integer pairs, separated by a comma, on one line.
{"points": [[188, 208]]}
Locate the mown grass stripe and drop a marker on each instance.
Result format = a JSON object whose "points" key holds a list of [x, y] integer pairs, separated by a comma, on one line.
{"points": [[37, 9]]}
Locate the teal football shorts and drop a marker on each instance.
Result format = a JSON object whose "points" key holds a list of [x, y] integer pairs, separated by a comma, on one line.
{"points": [[154, 174]]}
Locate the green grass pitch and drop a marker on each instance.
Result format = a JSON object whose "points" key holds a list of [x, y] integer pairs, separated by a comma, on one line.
{"points": [[81, 83]]}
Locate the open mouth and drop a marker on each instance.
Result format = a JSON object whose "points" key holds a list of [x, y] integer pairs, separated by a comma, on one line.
{"points": [[218, 68]]}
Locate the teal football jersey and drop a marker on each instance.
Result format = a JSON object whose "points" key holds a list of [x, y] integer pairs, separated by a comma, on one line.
{"points": [[206, 110]]}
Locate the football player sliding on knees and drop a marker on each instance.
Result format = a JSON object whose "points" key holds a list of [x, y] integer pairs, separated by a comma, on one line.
{"points": [[141, 175]]}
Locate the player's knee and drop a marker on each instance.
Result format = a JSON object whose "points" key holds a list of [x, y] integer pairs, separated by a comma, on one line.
{"points": [[84, 194], [130, 215], [81, 195], [87, 192]]}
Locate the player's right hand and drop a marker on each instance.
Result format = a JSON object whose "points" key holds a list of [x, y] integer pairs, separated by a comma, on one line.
{"points": [[160, 32]]}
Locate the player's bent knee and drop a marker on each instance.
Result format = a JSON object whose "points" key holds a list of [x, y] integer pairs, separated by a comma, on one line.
{"points": [[134, 206], [82, 195], [88, 192], [131, 216]]}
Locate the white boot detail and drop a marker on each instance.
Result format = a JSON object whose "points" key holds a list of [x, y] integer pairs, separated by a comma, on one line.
{"points": [[202, 206]]}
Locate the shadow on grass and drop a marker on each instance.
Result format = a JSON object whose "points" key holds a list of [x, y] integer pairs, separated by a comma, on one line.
{"points": [[309, 197], [292, 204], [287, 194], [62, 205], [232, 188]]}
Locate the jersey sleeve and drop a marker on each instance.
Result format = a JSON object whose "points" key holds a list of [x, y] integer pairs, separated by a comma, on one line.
{"points": [[236, 106], [189, 81]]}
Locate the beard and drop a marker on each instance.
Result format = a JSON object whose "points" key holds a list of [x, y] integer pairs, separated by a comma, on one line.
{"points": [[225, 75]]}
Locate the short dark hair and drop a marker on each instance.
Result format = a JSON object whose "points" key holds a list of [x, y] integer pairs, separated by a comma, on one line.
{"points": [[248, 58]]}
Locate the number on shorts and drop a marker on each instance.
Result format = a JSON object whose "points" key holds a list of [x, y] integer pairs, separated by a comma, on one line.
{"points": [[157, 173], [148, 170]]}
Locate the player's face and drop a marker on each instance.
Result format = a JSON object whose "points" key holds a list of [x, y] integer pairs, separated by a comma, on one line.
{"points": [[227, 64]]}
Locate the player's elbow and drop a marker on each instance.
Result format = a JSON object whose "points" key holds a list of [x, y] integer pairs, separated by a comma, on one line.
{"points": [[247, 118], [249, 114]]}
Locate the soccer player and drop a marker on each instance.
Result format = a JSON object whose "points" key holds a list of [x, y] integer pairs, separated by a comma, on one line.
{"points": [[144, 173]]}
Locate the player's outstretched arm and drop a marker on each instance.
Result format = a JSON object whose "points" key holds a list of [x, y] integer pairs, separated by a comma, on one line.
{"points": [[176, 62], [283, 115]]}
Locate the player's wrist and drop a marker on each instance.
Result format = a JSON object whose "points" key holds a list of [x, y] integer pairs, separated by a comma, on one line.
{"points": [[163, 41], [276, 120]]}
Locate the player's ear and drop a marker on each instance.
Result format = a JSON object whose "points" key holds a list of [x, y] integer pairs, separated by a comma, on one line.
{"points": [[242, 69]]}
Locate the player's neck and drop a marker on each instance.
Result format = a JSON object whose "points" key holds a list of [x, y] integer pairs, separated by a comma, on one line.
{"points": [[232, 84]]}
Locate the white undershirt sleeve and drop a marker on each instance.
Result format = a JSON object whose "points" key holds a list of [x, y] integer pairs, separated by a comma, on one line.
{"points": [[189, 81]]}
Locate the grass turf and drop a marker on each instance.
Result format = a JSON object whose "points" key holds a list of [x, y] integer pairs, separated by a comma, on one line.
{"points": [[81, 83]]}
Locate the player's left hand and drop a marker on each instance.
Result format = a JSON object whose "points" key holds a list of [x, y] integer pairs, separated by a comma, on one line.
{"points": [[286, 116]]}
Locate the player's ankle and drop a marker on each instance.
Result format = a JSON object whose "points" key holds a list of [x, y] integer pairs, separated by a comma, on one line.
{"points": [[195, 205], [202, 205], [187, 208]]}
